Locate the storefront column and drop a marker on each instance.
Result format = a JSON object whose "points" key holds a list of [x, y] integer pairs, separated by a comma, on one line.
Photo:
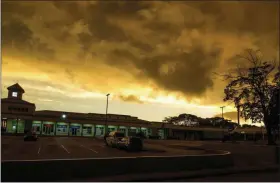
{"points": [[94, 130], [69, 124], [82, 129], [17, 126], [55, 125], [126, 131], [41, 129]]}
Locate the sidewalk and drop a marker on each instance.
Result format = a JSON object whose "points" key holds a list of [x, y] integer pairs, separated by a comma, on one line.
{"points": [[163, 176]]}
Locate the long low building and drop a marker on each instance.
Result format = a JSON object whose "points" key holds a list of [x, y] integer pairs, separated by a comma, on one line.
{"points": [[18, 116]]}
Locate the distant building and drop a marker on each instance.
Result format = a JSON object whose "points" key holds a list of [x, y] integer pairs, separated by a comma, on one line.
{"points": [[19, 116]]}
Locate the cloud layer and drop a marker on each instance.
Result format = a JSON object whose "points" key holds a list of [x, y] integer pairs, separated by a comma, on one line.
{"points": [[146, 48]]}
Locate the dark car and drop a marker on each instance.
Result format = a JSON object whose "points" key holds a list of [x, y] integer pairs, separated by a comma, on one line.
{"points": [[30, 136], [131, 144]]}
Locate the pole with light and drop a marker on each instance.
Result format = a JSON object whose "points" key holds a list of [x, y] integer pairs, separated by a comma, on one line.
{"points": [[106, 112], [223, 126], [63, 116]]}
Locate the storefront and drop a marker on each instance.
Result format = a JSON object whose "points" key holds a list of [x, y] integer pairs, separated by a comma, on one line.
{"points": [[144, 131], [48, 128], [150, 132], [62, 128], [3, 125], [112, 128], [11, 126], [132, 131], [37, 126], [88, 130], [99, 130], [161, 133], [75, 129], [15, 126], [124, 130]]}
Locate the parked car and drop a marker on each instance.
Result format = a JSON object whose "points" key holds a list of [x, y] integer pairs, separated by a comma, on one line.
{"points": [[113, 137], [130, 144], [119, 140], [30, 136]]}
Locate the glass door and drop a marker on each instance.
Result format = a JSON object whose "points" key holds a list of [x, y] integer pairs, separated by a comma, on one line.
{"points": [[47, 129]]}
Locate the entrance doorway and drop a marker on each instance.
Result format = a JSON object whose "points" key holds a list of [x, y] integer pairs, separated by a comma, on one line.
{"points": [[75, 131], [48, 129]]}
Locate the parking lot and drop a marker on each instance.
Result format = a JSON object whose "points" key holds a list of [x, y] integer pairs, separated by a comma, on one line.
{"points": [[243, 153], [14, 148]]}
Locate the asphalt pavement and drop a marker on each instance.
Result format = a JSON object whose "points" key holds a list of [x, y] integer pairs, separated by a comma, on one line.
{"points": [[14, 148], [248, 177], [50, 148], [243, 153]]}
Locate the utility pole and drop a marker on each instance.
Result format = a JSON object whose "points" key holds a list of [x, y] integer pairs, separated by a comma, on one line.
{"points": [[223, 120], [106, 113], [238, 115], [222, 111]]}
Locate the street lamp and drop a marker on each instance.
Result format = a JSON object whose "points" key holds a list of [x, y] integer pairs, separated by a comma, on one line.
{"points": [[106, 113], [63, 116]]}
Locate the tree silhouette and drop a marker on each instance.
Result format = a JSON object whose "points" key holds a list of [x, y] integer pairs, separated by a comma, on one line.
{"points": [[252, 89]]}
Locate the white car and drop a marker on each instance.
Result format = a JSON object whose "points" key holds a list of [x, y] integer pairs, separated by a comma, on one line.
{"points": [[120, 141], [113, 138]]}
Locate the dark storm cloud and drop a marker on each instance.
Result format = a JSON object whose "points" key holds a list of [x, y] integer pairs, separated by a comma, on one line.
{"points": [[146, 47], [254, 16], [17, 9], [86, 41], [192, 72], [17, 35], [174, 69], [98, 14]]}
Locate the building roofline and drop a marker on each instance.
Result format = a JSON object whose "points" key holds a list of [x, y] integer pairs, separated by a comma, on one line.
{"points": [[16, 87]]}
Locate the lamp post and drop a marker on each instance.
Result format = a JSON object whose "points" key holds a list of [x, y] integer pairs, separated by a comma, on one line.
{"points": [[63, 116], [106, 112]]}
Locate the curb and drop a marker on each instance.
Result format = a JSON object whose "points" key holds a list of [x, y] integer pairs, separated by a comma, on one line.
{"points": [[166, 176]]}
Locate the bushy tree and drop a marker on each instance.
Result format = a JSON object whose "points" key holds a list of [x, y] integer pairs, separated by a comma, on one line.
{"points": [[252, 88]]}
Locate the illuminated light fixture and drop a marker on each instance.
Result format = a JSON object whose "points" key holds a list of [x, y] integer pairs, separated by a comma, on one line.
{"points": [[63, 116]]}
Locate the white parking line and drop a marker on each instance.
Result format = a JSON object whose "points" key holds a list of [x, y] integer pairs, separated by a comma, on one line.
{"points": [[39, 150], [89, 148], [64, 148]]}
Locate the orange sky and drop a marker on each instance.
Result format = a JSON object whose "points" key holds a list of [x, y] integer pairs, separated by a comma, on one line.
{"points": [[155, 58]]}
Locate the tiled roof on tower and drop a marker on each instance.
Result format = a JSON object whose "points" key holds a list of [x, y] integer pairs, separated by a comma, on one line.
{"points": [[16, 87]]}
